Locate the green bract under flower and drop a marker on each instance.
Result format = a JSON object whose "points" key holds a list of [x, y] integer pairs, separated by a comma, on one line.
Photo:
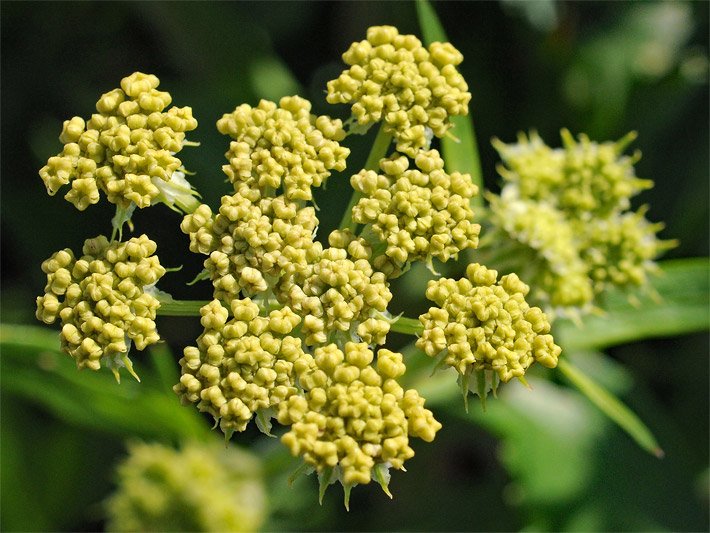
{"points": [[282, 146], [393, 78], [482, 323], [420, 213], [103, 300], [127, 149], [197, 488], [242, 366], [354, 416]]}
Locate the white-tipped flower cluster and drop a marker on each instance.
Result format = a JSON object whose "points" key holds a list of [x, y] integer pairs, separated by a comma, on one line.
{"points": [[197, 488], [413, 89], [420, 213], [127, 149], [103, 300], [568, 210], [354, 416], [282, 146], [550, 261], [482, 323], [242, 366]]}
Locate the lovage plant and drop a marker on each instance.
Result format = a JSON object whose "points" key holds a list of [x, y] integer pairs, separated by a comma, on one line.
{"points": [[296, 324]]}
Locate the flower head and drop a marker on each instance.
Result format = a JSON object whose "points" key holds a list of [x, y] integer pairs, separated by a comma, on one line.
{"points": [[420, 213], [353, 415], [482, 323], [242, 366], [282, 146], [103, 300], [584, 179], [127, 149], [395, 79], [548, 242], [252, 242]]}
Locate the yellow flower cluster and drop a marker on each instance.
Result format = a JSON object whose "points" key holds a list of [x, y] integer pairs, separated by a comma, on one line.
{"points": [[282, 146], [420, 213], [200, 487], [252, 242], [567, 209], [482, 323], [354, 416], [340, 292], [243, 366], [127, 149], [393, 78], [103, 300]]}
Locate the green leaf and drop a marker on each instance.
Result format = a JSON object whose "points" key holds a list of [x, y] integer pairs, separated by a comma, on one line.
{"points": [[34, 369], [611, 406], [680, 307], [460, 149]]}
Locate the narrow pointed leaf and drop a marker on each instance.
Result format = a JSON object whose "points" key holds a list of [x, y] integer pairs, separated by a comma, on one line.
{"points": [[611, 406]]}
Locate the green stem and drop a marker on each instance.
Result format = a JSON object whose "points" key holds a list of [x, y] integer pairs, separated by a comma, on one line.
{"points": [[192, 307], [460, 148], [181, 308], [378, 151], [188, 204], [408, 326]]}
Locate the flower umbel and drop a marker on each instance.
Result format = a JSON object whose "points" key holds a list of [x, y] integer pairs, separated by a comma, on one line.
{"points": [[482, 323], [127, 149], [420, 213], [103, 300], [395, 79], [282, 146], [354, 416]]}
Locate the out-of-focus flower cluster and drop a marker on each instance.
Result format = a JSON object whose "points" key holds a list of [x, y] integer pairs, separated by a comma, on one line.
{"points": [[353, 415], [282, 146], [395, 79], [127, 149], [197, 488], [482, 323], [420, 213], [103, 300], [568, 211]]}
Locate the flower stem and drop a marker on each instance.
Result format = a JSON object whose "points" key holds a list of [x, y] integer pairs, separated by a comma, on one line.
{"points": [[181, 308], [378, 151], [408, 326]]}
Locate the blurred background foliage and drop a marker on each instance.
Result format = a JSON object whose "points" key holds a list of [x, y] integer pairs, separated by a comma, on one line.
{"points": [[541, 460]]}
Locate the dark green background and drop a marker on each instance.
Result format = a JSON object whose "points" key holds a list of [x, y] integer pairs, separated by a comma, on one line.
{"points": [[588, 70]]}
